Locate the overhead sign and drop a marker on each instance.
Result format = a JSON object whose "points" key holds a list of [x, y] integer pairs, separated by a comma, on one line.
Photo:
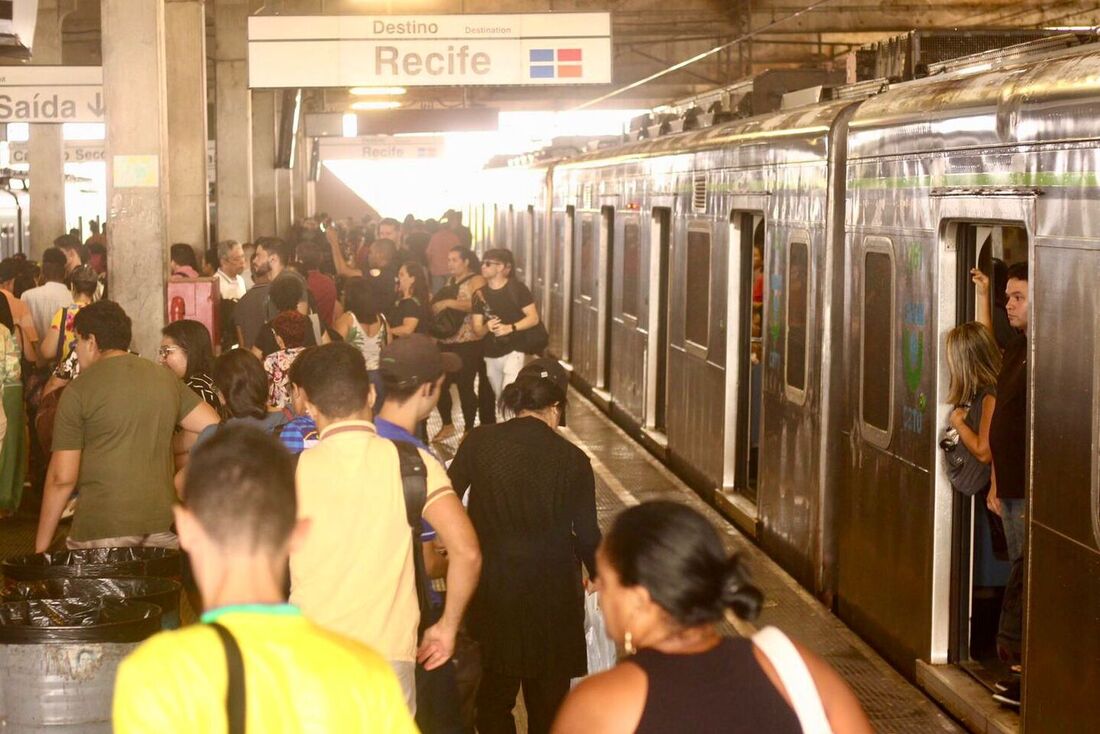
{"points": [[51, 94], [429, 50], [382, 148], [395, 122], [76, 151]]}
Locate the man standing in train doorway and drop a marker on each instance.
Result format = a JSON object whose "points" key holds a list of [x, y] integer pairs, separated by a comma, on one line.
{"points": [[1007, 495]]}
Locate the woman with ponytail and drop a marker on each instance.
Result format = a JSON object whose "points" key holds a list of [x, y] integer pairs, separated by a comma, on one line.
{"points": [[665, 584], [533, 504]]}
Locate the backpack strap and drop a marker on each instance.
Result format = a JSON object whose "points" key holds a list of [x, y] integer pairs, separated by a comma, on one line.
{"points": [[235, 690], [796, 679], [414, 481]]}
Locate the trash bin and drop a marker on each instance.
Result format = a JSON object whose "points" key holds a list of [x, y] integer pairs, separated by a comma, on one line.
{"points": [[165, 593], [59, 658], [94, 563]]}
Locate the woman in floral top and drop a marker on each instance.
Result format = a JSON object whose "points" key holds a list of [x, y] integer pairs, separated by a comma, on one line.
{"points": [[290, 334]]}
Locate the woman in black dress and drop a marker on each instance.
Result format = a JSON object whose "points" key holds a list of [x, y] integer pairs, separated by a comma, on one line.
{"points": [[533, 504]]}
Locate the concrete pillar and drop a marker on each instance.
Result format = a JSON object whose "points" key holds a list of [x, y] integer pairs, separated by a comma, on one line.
{"points": [[46, 148], [136, 96], [185, 44], [301, 175], [233, 103], [264, 119]]}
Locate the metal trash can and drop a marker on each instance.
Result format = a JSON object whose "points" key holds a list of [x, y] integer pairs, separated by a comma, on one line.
{"points": [[58, 660], [94, 563], [165, 593]]}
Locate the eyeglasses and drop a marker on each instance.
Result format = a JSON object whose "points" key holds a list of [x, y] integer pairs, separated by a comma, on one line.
{"points": [[163, 352], [490, 263]]}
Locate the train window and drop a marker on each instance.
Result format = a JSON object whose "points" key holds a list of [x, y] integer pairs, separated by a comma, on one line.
{"points": [[697, 290], [798, 304], [557, 249], [588, 263], [877, 342], [631, 267]]}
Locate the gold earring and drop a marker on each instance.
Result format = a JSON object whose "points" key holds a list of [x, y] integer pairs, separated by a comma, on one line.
{"points": [[628, 644]]}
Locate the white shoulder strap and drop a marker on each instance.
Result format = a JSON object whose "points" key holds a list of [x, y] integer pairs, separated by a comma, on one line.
{"points": [[796, 678]]}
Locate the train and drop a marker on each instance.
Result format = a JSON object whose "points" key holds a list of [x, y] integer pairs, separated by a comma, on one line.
{"points": [[763, 303]]}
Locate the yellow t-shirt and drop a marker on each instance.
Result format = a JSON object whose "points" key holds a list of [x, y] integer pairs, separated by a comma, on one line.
{"points": [[298, 678], [354, 574]]}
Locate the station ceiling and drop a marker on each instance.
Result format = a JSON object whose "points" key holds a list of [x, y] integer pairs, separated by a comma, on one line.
{"points": [[651, 35]]}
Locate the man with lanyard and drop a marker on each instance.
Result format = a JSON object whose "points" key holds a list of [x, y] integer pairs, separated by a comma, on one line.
{"points": [[413, 373], [239, 524]]}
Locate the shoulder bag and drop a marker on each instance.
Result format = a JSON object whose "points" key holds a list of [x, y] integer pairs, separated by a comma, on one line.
{"points": [[234, 691], [447, 322], [796, 679], [967, 475]]}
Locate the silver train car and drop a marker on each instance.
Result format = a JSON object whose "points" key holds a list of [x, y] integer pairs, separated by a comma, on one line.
{"points": [[764, 304]]}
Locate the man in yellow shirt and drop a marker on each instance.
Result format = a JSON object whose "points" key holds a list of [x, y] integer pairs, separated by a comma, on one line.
{"points": [[239, 526], [355, 574]]}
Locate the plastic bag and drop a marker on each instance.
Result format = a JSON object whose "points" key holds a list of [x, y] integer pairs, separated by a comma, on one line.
{"points": [[601, 649], [93, 563], [77, 620]]}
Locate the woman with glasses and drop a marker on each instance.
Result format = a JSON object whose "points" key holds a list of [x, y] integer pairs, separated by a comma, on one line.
{"points": [[186, 350], [504, 308]]}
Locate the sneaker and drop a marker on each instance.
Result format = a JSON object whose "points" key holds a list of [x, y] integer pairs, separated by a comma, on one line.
{"points": [[444, 433], [1010, 696]]}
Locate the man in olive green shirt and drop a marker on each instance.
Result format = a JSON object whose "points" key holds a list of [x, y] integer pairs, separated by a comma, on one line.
{"points": [[112, 440]]}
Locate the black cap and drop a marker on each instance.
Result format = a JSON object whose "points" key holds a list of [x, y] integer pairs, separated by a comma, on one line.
{"points": [[416, 358], [547, 369]]}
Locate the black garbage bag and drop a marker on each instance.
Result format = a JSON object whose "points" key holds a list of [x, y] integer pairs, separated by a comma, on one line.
{"points": [[165, 593], [77, 620], [93, 563]]}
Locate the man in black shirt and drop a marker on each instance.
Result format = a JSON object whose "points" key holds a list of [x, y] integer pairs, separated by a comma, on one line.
{"points": [[502, 308], [1008, 443]]}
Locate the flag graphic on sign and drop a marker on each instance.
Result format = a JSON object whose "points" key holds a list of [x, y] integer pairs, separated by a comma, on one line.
{"points": [[551, 63]]}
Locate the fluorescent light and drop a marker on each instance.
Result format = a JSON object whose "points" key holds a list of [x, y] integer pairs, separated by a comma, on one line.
{"points": [[350, 122], [377, 91], [377, 104]]}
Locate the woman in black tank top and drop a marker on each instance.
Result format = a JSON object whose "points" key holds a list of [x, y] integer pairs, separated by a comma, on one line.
{"points": [[665, 582]]}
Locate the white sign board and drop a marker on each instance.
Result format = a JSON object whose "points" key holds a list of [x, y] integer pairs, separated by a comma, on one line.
{"points": [[429, 50], [382, 148], [51, 94], [76, 151]]}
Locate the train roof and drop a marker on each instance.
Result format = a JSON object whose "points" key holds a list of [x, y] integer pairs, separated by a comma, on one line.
{"points": [[800, 122], [988, 105]]}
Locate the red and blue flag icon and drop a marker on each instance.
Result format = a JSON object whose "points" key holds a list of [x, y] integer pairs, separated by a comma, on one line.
{"points": [[555, 63]]}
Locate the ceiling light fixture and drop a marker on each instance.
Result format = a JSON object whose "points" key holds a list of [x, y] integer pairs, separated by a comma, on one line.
{"points": [[376, 104], [377, 91]]}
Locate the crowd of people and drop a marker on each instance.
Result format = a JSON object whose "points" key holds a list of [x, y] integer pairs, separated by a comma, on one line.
{"points": [[349, 580]]}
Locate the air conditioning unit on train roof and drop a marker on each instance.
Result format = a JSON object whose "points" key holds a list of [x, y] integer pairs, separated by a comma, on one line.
{"points": [[911, 55]]}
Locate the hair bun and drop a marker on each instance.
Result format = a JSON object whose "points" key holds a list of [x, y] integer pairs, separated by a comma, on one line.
{"points": [[737, 592]]}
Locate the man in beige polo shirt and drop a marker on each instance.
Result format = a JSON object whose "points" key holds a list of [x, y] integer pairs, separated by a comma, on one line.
{"points": [[355, 574]]}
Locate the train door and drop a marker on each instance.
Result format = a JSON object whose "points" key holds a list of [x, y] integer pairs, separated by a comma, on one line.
{"points": [[563, 270], [518, 243], [657, 321], [979, 555], [585, 327], [744, 357], [628, 329], [603, 294]]}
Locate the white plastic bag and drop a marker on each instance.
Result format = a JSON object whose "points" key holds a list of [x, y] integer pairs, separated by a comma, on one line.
{"points": [[601, 649]]}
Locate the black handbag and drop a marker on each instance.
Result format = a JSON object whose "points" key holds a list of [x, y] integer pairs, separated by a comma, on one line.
{"points": [[967, 475], [447, 322]]}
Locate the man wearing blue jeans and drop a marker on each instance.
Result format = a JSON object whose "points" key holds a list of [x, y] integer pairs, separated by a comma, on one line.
{"points": [[1007, 496]]}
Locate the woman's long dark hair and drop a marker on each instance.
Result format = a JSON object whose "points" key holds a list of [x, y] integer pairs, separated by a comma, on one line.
{"points": [[421, 291], [242, 381], [675, 553], [5, 315], [194, 340]]}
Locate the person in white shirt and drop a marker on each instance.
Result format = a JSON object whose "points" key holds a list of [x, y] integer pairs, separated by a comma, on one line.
{"points": [[231, 259], [53, 295]]}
